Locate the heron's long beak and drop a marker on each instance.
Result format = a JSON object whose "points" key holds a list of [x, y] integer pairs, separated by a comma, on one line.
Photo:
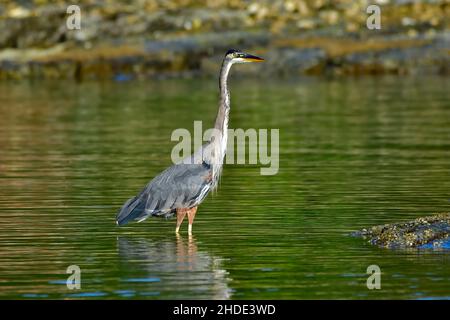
{"points": [[251, 58]]}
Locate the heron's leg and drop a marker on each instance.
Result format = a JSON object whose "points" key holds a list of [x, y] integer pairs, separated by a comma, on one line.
{"points": [[191, 215], [181, 213]]}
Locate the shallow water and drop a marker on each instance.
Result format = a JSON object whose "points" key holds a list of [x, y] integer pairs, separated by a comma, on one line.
{"points": [[353, 153]]}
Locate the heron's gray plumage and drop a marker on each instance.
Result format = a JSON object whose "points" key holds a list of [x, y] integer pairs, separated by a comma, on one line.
{"points": [[179, 186], [186, 184]]}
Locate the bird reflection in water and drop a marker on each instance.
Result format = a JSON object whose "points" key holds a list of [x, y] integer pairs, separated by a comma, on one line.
{"points": [[172, 269]]}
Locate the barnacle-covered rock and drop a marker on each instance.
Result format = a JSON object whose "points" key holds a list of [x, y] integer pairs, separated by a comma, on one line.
{"points": [[431, 231]]}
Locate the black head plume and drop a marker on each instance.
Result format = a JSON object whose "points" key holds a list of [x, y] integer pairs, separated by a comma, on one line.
{"points": [[231, 51]]}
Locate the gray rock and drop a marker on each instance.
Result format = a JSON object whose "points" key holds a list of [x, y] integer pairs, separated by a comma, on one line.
{"points": [[425, 231], [294, 61]]}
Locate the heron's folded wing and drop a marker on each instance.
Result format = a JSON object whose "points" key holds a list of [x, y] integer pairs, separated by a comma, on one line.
{"points": [[177, 187]]}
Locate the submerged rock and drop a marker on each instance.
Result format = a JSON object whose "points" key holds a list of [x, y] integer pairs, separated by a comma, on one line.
{"points": [[432, 231]]}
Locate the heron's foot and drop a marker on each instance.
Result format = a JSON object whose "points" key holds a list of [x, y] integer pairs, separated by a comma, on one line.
{"points": [[190, 229], [177, 230]]}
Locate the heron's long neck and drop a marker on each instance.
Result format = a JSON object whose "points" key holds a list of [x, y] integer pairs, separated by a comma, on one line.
{"points": [[221, 126], [224, 103]]}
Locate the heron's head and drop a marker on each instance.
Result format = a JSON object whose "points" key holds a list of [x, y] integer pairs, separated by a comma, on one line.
{"points": [[237, 56]]}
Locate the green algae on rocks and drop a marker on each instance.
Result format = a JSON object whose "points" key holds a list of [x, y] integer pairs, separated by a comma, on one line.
{"points": [[411, 234]]}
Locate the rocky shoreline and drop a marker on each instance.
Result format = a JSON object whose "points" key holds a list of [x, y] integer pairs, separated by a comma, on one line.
{"points": [[123, 39]]}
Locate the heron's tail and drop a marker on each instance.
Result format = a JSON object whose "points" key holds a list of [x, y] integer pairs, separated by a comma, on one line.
{"points": [[133, 209]]}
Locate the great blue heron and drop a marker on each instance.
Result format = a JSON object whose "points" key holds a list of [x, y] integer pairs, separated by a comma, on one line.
{"points": [[183, 186]]}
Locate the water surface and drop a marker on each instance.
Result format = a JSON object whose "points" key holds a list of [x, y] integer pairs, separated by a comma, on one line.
{"points": [[353, 153]]}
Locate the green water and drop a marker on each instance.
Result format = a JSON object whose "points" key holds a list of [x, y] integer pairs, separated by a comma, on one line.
{"points": [[353, 153]]}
